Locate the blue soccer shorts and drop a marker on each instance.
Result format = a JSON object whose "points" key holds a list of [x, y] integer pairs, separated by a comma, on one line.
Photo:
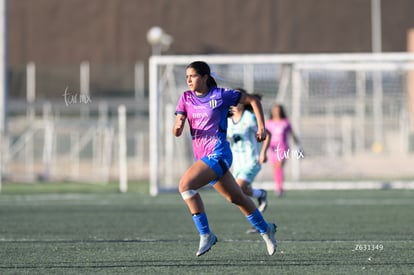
{"points": [[219, 163]]}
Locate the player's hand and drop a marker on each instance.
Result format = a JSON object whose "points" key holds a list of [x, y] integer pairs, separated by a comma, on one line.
{"points": [[179, 122], [179, 125], [261, 135], [300, 150], [262, 158]]}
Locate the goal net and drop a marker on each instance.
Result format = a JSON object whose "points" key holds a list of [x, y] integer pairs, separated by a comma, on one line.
{"points": [[350, 111]]}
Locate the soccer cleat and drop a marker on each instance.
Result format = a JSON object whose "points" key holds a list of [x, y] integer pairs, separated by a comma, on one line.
{"points": [[262, 201], [206, 242], [269, 238]]}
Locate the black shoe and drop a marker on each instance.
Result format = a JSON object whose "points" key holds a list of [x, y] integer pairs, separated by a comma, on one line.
{"points": [[262, 201]]}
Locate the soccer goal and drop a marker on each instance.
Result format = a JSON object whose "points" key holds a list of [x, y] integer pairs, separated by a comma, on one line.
{"points": [[340, 105]]}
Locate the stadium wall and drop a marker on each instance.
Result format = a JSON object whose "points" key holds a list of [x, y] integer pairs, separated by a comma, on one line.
{"points": [[109, 33]]}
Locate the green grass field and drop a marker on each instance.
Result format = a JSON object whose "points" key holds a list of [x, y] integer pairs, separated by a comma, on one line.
{"points": [[95, 230]]}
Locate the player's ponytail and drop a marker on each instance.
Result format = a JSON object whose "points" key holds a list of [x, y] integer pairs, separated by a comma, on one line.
{"points": [[211, 82]]}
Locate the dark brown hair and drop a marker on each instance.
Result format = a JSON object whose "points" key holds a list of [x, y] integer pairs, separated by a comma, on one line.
{"points": [[281, 110], [248, 106], [202, 68]]}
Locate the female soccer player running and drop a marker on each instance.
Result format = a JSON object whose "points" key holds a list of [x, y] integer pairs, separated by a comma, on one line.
{"points": [[280, 128], [206, 106], [248, 154]]}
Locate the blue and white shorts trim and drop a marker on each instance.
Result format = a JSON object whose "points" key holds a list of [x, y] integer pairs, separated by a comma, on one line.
{"points": [[219, 163]]}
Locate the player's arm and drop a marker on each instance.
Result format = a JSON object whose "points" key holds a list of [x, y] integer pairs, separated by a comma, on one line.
{"points": [[179, 124], [295, 137], [296, 140], [258, 112], [265, 146]]}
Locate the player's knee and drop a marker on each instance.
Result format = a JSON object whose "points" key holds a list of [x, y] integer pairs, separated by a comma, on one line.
{"points": [[184, 185], [188, 194]]}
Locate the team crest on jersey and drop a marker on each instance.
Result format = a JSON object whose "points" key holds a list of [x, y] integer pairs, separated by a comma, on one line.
{"points": [[213, 103]]}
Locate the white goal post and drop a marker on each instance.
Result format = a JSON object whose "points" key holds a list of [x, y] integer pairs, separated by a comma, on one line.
{"points": [[339, 104]]}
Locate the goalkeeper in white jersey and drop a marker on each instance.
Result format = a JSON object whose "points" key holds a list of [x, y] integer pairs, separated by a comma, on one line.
{"points": [[248, 154]]}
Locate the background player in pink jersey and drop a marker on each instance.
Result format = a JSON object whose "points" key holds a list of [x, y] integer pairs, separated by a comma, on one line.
{"points": [[205, 107], [280, 128]]}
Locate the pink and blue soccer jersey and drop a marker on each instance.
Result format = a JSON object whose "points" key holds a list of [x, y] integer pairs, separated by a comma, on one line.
{"points": [[207, 116]]}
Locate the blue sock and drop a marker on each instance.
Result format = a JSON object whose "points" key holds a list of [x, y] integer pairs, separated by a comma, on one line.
{"points": [[256, 219], [201, 223]]}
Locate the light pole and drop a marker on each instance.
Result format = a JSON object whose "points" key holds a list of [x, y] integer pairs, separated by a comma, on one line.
{"points": [[376, 40], [3, 68], [376, 33], [159, 40]]}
